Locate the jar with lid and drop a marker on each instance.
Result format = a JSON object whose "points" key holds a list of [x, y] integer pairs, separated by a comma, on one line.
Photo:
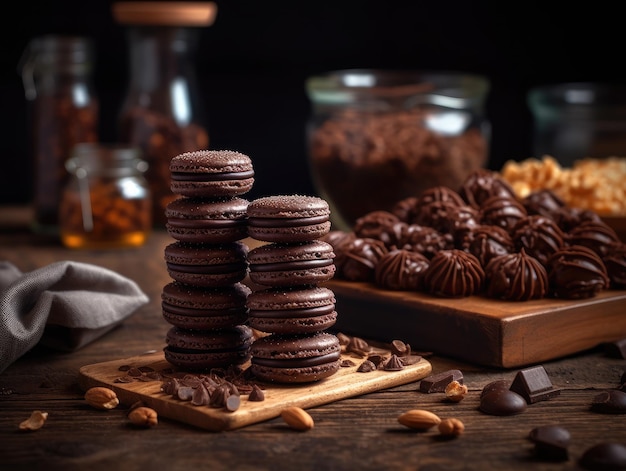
{"points": [[162, 112], [376, 137], [106, 203], [58, 82]]}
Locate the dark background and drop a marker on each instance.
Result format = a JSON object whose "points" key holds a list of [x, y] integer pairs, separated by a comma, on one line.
{"points": [[252, 64]]}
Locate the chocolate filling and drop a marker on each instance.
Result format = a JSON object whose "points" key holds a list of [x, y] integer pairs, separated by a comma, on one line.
{"points": [[211, 177], [298, 313], [297, 362], [207, 269], [205, 223], [298, 265], [185, 311], [287, 222]]}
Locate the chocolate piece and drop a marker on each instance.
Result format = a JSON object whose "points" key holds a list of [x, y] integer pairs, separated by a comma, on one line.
{"points": [[401, 269], [597, 235], [257, 394], [377, 225], [616, 349], [489, 242], [502, 402], [393, 363], [612, 401], [405, 209], [440, 193], [497, 385], [576, 272], [482, 184], [400, 348], [437, 383], [357, 260], [568, 217], [604, 456], [615, 263], [366, 367], [551, 442], [502, 211], [516, 277], [424, 240], [454, 273], [540, 236], [543, 202], [534, 385]]}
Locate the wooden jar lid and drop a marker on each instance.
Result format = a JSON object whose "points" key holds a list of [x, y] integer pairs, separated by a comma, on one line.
{"points": [[165, 13]]}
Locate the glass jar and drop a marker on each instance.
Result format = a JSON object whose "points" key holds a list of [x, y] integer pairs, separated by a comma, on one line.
{"points": [[57, 76], [106, 203], [376, 137], [577, 120], [162, 112]]}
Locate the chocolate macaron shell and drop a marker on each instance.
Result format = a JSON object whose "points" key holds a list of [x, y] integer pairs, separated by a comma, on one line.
{"points": [[201, 220], [295, 358], [196, 350], [288, 218], [208, 173], [292, 311], [294, 264], [207, 265], [193, 307]]}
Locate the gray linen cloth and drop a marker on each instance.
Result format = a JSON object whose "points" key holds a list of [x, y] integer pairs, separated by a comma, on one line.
{"points": [[64, 305]]}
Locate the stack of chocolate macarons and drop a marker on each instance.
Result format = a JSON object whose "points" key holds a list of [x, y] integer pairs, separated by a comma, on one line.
{"points": [[287, 303], [206, 301]]}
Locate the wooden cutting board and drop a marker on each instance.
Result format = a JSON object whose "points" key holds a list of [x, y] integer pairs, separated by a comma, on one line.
{"points": [[479, 330], [347, 382]]}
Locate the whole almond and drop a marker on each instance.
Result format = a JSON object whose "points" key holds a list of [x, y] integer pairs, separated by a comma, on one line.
{"points": [[451, 427], [419, 419], [143, 417], [297, 418], [102, 398]]}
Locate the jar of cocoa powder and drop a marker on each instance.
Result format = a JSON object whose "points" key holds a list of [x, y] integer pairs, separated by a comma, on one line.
{"points": [[106, 202], [63, 111], [376, 137], [162, 113]]}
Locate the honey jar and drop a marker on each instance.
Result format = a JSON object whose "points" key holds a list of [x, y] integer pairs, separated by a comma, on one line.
{"points": [[106, 202]]}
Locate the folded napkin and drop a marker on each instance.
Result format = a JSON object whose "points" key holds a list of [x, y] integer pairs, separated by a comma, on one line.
{"points": [[64, 305]]}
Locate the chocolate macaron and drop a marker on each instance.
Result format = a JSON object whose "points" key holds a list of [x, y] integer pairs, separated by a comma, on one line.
{"points": [[303, 263], [201, 220], [209, 173], [288, 218], [192, 307], [295, 358], [292, 311], [207, 265], [196, 350]]}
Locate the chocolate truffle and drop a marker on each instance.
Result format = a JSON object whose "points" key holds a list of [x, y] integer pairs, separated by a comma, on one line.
{"points": [[404, 209], [454, 273], [446, 216], [401, 269], [539, 236], [440, 193], [488, 242], [543, 202], [424, 239], [381, 225], [516, 277], [567, 217], [615, 263], [597, 235], [357, 259], [502, 211], [576, 272], [481, 184]]}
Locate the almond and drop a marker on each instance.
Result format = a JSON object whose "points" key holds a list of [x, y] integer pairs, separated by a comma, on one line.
{"points": [[35, 421], [297, 418], [102, 398], [143, 417], [451, 427], [419, 419]]}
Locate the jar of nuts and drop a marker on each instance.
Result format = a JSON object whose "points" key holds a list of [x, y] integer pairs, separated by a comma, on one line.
{"points": [[106, 202], [376, 137], [162, 112]]}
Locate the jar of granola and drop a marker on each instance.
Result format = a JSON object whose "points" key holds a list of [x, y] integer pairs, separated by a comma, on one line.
{"points": [[58, 82], [162, 112], [376, 137], [106, 203]]}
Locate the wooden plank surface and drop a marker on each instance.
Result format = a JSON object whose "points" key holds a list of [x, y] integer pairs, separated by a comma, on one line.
{"points": [[347, 382], [481, 330]]}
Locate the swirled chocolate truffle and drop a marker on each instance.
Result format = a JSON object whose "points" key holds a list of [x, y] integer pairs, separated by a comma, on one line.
{"points": [[597, 235], [381, 225], [615, 264], [489, 242], [576, 272], [568, 218], [454, 273], [424, 240], [543, 202], [502, 211], [357, 259], [482, 184], [516, 277], [539, 236], [440, 193], [449, 218], [405, 208], [401, 269]]}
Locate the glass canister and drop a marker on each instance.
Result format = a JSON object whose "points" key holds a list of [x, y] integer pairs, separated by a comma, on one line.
{"points": [[63, 106], [377, 136], [573, 121], [162, 113], [106, 203]]}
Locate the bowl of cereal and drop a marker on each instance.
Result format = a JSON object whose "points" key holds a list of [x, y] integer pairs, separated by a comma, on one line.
{"points": [[376, 137]]}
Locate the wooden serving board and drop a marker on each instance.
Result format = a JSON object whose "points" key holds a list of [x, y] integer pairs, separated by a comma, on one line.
{"points": [[503, 334], [347, 382]]}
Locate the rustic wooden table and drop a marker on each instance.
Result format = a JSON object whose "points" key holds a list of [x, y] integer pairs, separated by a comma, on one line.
{"points": [[356, 433]]}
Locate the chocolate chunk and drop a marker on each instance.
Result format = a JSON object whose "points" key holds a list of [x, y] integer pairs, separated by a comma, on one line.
{"points": [[551, 442], [257, 394], [394, 363], [608, 455], [534, 385], [366, 367], [616, 349], [497, 385], [438, 382], [612, 401], [502, 402]]}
